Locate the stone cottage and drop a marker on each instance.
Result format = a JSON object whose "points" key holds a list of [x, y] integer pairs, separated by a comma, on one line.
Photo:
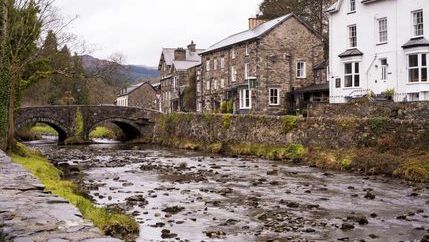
{"points": [[258, 70], [143, 95], [177, 67]]}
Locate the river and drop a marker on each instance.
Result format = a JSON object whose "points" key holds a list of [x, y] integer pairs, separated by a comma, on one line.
{"points": [[179, 195]]}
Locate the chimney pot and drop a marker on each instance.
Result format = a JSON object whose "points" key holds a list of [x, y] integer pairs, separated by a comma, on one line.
{"points": [[192, 47], [180, 54]]}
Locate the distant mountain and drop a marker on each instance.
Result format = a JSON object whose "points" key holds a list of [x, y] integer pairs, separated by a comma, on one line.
{"points": [[119, 75]]}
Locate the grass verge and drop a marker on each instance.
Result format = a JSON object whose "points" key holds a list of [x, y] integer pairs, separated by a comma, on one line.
{"points": [[102, 133], [113, 224]]}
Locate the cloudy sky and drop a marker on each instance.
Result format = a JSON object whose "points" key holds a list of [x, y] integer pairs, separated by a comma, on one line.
{"points": [[140, 28]]}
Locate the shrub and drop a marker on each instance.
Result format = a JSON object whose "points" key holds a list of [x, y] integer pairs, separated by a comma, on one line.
{"points": [[230, 106], [289, 123], [226, 121], [378, 124], [224, 107], [414, 170]]}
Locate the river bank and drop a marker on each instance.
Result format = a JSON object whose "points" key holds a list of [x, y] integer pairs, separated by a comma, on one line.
{"points": [[29, 213], [192, 196]]}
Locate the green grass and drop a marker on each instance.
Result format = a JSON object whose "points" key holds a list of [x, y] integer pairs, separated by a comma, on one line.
{"points": [[114, 224], [44, 130], [102, 133]]}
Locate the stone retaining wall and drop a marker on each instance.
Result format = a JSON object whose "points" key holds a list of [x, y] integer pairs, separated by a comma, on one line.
{"points": [[411, 110], [28, 213], [346, 132]]}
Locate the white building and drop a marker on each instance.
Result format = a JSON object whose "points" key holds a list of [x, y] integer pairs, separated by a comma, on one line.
{"points": [[377, 47]]}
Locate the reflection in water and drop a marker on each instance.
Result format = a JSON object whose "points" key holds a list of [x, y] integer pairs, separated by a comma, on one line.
{"points": [[192, 196]]}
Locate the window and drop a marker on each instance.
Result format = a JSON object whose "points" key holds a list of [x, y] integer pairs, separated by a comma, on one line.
{"points": [[222, 63], [208, 85], [300, 70], [208, 65], [274, 96], [418, 68], [245, 99], [233, 74], [247, 50], [233, 53], [382, 30], [352, 6], [246, 71], [215, 86], [417, 23], [384, 66], [338, 83], [352, 36], [351, 74], [215, 64], [198, 87], [222, 83]]}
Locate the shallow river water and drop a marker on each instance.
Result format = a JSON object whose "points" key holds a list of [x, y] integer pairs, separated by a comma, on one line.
{"points": [[186, 196]]}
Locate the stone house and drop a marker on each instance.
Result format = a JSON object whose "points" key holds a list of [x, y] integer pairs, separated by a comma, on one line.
{"points": [[258, 70], [142, 95], [177, 67], [380, 49]]}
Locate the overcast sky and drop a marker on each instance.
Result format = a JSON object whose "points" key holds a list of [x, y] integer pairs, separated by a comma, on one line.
{"points": [[140, 28]]}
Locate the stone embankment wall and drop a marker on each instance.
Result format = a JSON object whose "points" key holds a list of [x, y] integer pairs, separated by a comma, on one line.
{"points": [[411, 110], [317, 132], [28, 213]]}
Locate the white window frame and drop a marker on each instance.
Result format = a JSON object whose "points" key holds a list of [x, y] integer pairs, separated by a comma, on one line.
{"points": [[301, 72], [208, 84], [352, 6], [416, 30], [419, 67], [215, 64], [384, 69], [245, 98], [233, 74], [174, 83], [222, 63], [352, 29], [215, 85], [247, 50], [233, 53], [208, 65], [198, 87], [246, 71], [383, 34], [353, 74], [222, 83], [272, 97]]}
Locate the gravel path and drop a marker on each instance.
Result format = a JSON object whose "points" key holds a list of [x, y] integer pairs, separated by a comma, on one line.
{"points": [[27, 213]]}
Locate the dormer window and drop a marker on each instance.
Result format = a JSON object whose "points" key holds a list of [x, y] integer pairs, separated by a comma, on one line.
{"points": [[352, 6], [417, 23]]}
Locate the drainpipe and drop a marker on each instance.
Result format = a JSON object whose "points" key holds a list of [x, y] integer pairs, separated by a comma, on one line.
{"points": [[367, 72]]}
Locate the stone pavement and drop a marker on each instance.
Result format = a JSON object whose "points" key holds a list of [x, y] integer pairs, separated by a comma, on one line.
{"points": [[27, 213]]}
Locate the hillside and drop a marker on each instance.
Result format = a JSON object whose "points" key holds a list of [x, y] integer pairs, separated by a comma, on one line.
{"points": [[119, 74]]}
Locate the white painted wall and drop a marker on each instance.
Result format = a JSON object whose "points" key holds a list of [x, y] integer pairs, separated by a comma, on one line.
{"points": [[399, 17], [122, 101]]}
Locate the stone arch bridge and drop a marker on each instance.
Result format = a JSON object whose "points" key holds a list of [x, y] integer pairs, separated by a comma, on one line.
{"points": [[134, 122]]}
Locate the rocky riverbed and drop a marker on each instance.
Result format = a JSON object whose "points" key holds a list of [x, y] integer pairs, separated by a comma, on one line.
{"points": [[186, 196]]}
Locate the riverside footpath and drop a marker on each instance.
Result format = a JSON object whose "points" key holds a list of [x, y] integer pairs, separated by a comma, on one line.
{"points": [[28, 213]]}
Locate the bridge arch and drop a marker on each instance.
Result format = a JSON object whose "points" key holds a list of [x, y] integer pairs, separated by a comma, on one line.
{"points": [[130, 129], [63, 132]]}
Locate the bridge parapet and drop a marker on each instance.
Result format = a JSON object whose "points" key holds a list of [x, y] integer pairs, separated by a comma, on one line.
{"points": [[134, 122]]}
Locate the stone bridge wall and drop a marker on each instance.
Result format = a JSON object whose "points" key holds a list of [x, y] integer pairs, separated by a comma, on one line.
{"points": [[133, 121], [282, 131]]}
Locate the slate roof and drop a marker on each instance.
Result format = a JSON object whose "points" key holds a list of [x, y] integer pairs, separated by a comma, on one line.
{"points": [[337, 5], [320, 66], [416, 43], [313, 88], [184, 65], [350, 53], [248, 34], [168, 54], [132, 88]]}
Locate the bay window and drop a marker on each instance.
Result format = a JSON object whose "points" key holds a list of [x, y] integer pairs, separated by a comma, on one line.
{"points": [[418, 67], [351, 74]]}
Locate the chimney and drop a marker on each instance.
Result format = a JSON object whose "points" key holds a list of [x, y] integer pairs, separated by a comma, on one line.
{"points": [[180, 54], [192, 47], [256, 21]]}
